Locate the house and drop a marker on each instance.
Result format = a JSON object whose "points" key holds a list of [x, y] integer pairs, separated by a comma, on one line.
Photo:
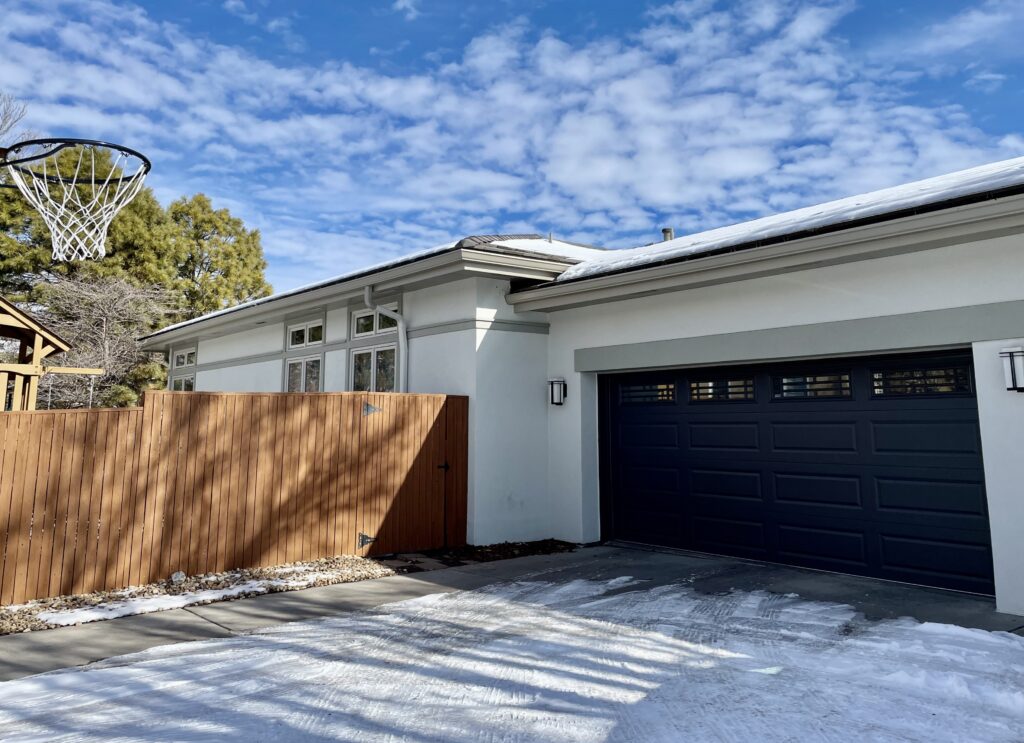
{"points": [[822, 388]]}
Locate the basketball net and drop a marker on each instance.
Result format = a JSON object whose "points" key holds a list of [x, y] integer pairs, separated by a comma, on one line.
{"points": [[77, 203]]}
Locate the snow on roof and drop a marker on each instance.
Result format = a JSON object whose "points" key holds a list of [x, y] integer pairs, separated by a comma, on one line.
{"points": [[963, 183], [533, 244], [544, 246]]}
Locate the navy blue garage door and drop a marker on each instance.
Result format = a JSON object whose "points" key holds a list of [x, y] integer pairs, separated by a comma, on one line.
{"points": [[866, 466]]}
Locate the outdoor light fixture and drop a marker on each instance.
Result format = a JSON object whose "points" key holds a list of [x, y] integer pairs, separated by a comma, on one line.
{"points": [[557, 390], [1013, 368]]}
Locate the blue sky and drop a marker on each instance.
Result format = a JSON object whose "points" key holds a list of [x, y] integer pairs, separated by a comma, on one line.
{"points": [[349, 132]]}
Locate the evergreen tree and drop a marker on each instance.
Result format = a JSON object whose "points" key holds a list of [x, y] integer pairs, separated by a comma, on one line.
{"points": [[222, 262]]}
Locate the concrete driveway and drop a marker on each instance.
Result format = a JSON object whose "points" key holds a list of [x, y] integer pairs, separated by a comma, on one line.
{"points": [[601, 644]]}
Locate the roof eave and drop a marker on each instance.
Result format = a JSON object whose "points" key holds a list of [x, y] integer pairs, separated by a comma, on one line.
{"points": [[910, 233], [438, 268]]}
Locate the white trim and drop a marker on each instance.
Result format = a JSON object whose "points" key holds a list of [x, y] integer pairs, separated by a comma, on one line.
{"points": [[184, 352], [302, 361], [393, 306], [970, 223], [182, 378], [372, 351], [305, 327], [411, 272]]}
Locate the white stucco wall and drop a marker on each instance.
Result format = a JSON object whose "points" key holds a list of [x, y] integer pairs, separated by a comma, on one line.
{"points": [[455, 300], [264, 339], [337, 325], [954, 276], [509, 427], [336, 371], [263, 376], [502, 372], [1001, 415]]}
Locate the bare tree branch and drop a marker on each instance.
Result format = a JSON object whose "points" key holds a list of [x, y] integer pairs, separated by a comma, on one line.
{"points": [[102, 319]]}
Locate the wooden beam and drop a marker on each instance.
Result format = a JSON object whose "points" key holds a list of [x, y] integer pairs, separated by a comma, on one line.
{"points": [[18, 393], [8, 320], [87, 370], [3, 391], [27, 370], [31, 390]]}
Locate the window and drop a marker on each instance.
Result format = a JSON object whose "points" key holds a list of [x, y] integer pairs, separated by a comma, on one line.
{"points": [[374, 369], [184, 357], [371, 322], [645, 393], [947, 380], [303, 375], [809, 387], [183, 384], [722, 390], [306, 334]]}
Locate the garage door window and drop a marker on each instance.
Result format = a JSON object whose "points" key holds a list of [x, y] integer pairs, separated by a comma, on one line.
{"points": [[810, 387], [949, 380], [647, 393], [722, 390]]}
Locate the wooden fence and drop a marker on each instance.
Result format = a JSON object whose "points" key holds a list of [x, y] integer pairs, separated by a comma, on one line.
{"points": [[202, 482]]}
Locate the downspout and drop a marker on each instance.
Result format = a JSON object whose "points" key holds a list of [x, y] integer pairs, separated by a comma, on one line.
{"points": [[403, 337]]}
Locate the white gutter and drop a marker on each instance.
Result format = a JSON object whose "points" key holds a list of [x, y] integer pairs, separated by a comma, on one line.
{"points": [[403, 337]]}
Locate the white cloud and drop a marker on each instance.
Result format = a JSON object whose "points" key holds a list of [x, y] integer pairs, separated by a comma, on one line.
{"points": [[239, 8], [409, 8], [986, 82], [712, 112]]}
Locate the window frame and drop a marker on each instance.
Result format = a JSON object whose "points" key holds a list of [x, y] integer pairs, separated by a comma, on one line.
{"points": [[393, 306], [182, 378], [302, 361], [373, 351], [185, 352], [305, 327]]}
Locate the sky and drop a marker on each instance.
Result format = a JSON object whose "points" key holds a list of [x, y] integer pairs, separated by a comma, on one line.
{"points": [[350, 132]]}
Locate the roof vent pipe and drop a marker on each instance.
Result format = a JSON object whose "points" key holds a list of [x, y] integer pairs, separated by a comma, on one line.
{"points": [[403, 337], [668, 233]]}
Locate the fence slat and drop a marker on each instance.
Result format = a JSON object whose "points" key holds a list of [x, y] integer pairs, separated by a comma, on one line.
{"points": [[102, 499]]}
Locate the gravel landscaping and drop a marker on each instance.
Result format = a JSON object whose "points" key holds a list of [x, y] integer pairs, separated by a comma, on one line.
{"points": [[182, 590]]}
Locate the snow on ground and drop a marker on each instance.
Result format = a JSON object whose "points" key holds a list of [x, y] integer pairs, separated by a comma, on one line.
{"points": [[62, 611], [547, 661], [930, 191], [149, 604]]}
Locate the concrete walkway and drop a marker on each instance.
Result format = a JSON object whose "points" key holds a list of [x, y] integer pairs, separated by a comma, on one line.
{"points": [[37, 652]]}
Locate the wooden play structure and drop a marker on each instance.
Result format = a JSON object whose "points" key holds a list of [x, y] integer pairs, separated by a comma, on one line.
{"points": [[19, 382]]}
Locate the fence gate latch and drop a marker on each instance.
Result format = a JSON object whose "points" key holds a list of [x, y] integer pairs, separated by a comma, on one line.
{"points": [[444, 466], [365, 539]]}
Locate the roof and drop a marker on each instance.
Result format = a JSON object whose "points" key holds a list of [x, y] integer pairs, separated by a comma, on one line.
{"points": [[21, 325], [526, 244], [966, 186]]}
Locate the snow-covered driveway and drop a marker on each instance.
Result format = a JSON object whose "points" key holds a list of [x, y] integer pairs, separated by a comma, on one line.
{"points": [[533, 660]]}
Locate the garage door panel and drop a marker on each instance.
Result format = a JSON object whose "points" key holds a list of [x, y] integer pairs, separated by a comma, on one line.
{"points": [[649, 435], [742, 537], [709, 436], [926, 438], [933, 495], [722, 483], [810, 436], [824, 547], [819, 490], [956, 559], [880, 475]]}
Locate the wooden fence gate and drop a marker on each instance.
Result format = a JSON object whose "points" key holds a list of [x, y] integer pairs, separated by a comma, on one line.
{"points": [[204, 482]]}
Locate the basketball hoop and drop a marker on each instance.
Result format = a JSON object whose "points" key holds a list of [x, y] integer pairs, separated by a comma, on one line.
{"points": [[78, 186]]}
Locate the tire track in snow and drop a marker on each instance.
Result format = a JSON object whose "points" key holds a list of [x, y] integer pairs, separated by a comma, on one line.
{"points": [[542, 659]]}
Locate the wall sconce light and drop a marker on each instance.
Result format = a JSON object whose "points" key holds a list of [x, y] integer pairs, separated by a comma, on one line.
{"points": [[557, 391], [1013, 368]]}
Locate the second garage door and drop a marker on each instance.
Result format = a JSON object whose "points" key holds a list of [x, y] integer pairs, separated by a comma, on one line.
{"points": [[867, 466]]}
